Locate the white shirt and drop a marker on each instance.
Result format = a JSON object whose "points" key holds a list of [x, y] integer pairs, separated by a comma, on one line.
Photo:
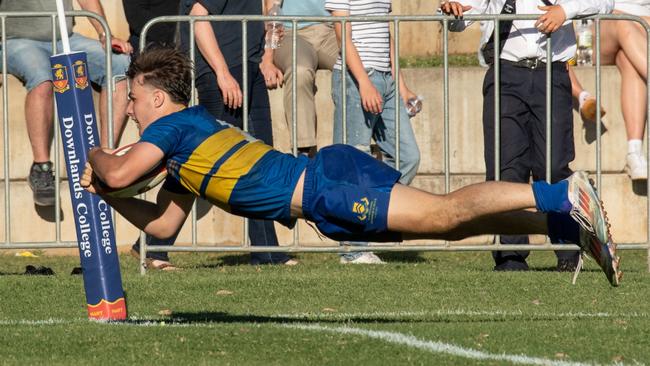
{"points": [[371, 39], [525, 40], [635, 7]]}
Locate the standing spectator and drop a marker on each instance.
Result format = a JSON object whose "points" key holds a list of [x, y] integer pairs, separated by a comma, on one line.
{"points": [[523, 94], [370, 99], [29, 47], [139, 12], [316, 49], [219, 72], [624, 43]]}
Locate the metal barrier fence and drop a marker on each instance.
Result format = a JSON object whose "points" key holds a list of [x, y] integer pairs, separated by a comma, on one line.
{"points": [[395, 22], [57, 243]]}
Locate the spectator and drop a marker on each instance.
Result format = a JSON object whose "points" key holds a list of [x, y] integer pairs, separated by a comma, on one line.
{"points": [[623, 43], [29, 47], [370, 99], [138, 13], [219, 73], [316, 49], [523, 94]]}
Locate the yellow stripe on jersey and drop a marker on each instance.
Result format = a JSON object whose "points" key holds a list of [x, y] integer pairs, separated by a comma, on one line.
{"points": [[240, 163]]}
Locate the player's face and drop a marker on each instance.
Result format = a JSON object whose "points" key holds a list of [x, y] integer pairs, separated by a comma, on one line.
{"points": [[141, 107]]}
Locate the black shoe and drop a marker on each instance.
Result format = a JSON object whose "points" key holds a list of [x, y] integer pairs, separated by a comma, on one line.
{"points": [[41, 181], [567, 265], [511, 265], [40, 270]]}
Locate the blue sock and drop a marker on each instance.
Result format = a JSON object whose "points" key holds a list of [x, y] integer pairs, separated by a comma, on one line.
{"points": [[552, 197], [562, 228]]}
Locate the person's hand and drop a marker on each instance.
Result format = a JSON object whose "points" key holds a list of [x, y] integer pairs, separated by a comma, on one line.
{"points": [[552, 20], [406, 94], [89, 182], [371, 100], [454, 8], [230, 90], [273, 77]]}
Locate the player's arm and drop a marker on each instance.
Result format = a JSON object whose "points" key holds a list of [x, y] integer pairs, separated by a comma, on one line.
{"points": [[95, 6], [209, 48], [120, 171], [371, 100], [161, 219]]}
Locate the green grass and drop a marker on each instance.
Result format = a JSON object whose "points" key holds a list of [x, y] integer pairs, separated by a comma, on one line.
{"points": [[440, 297], [455, 60]]}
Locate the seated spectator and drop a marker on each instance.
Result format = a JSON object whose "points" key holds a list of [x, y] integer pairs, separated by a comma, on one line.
{"points": [[316, 49], [623, 43], [28, 50]]}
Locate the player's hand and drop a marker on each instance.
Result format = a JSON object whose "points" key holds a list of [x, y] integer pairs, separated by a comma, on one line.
{"points": [[230, 90], [89, 181], [371, 100], [273, 77], [454, 8], [552, 20]]}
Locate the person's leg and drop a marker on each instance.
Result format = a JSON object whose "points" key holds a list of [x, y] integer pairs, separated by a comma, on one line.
{"points": [[385, 131], [562, 144], [584, 100], [260, 232], [29, 61], [358, 130], [633, 105], [96, 57], [305, 74], [514, 146]]}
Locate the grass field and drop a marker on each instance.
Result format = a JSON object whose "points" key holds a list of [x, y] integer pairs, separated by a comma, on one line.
{"points": [[429, 309]]}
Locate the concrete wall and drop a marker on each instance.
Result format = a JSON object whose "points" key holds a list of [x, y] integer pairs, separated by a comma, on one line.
{"points": [[416, 38], [626, 203]]}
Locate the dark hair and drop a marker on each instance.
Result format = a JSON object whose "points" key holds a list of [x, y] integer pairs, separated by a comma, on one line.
{"points": [[164, 68]]}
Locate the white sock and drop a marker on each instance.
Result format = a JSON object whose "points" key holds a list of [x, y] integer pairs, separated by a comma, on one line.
{"points": [[634, 146], [584, 95]]}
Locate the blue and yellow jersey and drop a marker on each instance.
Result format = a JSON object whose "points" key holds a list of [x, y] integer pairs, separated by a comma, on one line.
{"points": [[225, 165]]}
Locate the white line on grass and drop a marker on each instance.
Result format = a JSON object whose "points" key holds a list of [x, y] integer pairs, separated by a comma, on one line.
{"points": [[436, 347]]}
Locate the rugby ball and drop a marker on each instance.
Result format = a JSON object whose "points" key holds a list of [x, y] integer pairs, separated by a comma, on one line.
{"points": [[146, 182]]}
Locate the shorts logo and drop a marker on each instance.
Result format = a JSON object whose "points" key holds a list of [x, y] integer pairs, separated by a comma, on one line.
{"points": [[60, 74], [361, 208], [80, 75]]}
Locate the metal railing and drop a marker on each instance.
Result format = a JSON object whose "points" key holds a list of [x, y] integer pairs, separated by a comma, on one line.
{"points": [[395, 21]]}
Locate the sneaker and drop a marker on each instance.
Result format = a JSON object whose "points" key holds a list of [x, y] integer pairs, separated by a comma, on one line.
{"points": [[636, 166], [595, 238], [588, 110], [41, 181], [365, 258]]}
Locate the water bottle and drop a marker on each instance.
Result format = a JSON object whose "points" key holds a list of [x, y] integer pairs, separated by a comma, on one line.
{"points": [[274, 29], [585, 37], [414, 106]]}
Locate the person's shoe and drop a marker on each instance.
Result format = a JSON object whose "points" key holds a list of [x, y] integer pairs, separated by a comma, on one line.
{"points": [[588, 110], [151, 263], [510, 265], [365, 258], [595, 238], [41, 181], [636, 166]]}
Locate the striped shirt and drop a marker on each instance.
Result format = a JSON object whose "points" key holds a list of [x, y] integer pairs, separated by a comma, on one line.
{"points": [[371, 39]]}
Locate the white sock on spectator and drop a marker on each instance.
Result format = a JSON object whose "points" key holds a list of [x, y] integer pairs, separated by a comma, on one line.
{"points": [[634, 146], [584, 95]]}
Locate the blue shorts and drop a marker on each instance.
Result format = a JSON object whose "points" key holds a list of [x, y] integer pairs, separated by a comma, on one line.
{"points": [[29, 60], [347, 193], [265, 191]]}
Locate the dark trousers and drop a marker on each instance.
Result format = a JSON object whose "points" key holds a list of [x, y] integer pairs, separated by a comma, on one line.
{"points": [[260, 232], [523, 133]]}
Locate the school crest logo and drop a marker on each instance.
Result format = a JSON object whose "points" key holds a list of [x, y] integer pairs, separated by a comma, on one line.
{"points": [[80, 74], [361, 208], [60, 78]]}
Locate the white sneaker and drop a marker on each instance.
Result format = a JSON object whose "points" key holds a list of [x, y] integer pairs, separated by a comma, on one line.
{"points": [[365, 258], [636, 166]]}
